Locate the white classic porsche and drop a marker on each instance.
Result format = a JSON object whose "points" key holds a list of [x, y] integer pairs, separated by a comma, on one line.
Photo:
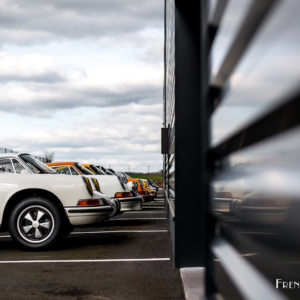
{"points": [[112, 186], [37, 209]]}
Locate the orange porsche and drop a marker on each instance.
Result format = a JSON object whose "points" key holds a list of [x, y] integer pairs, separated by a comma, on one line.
{"points": [[141, 190]]}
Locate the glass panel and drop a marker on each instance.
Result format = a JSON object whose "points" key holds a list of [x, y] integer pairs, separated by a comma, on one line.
{"points": [[35, 165], [83, 170], [96, 170], [63, 170], [73, 171], [18, 167], [6, 166]]}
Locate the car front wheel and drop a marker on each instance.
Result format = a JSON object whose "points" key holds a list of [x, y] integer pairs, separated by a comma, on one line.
{"points": [[35, 223]]}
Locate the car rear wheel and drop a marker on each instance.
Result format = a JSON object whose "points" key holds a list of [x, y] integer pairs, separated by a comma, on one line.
{"points": [[35, 223]]}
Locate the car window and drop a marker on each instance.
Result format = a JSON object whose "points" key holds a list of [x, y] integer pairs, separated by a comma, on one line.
{"points": [[107, 171], [73, 171], [35, 165], [141, 183], [113, 172], [62, 170], [96, 170], [6, 166], [101, 172], [18, 167], [83, 170]]}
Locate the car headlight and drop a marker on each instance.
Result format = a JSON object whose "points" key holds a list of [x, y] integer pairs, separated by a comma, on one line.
{"points": [[88, 185], [96, 184]]}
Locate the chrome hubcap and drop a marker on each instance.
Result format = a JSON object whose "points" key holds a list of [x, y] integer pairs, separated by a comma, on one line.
{"points": [[35, 224]]}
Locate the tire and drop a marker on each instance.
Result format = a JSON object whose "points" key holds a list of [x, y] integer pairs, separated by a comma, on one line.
{"points": [[36, 223], [67, 229]]}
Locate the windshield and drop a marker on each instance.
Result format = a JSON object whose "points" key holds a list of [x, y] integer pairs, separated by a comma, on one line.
{"points": [[105, 171], [96, 170], [35, 165], [83, 170], [141, 183], [112, 171]]}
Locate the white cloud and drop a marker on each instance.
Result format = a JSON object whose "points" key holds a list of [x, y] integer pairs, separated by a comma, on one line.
{"points": [[84, 79], [112, 135], [41, 21], [29, 67]]}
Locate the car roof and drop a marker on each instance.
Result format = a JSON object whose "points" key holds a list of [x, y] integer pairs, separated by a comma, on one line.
{"points": [[69, 163], [13, 154]]}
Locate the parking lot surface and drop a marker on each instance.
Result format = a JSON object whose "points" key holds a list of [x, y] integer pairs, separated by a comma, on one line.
{"points": [[127, 257]]}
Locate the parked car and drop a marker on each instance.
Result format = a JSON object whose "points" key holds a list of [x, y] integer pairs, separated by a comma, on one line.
{"points": [[126, 175], [111, 171], [132, 187], [104, 170], [111, 186], [94, 169], [152, 184], [152, 191], [146, 197], [37, 209]]}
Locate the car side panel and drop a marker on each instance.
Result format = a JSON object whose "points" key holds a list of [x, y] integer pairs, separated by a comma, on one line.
{"points": [[68, 189], [109, 185]]}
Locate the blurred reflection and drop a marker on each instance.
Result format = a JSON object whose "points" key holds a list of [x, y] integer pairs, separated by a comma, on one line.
{"points": [[250, 206], [256, 198], [223, 202], [231, 21], [257, 201], [268, 71]]}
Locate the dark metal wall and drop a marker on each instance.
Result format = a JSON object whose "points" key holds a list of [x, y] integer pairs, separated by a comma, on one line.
{"points": [[232, 97], [186, 117]]}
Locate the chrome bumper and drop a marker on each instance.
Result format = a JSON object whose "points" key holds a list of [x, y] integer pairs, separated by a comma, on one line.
{"points": [[88, 215], [130, 203]]}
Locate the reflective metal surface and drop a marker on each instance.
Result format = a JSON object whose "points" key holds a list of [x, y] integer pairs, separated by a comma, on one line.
{"points": [[257, 200], [169, 104], [268, 70], [231, 21]]}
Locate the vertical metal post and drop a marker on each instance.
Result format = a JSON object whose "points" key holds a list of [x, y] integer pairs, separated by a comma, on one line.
{"points": [[191, 127], [164, 93]]}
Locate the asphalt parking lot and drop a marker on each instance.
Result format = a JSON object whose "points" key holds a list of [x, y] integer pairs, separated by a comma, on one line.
{"points": [[128, 257]]}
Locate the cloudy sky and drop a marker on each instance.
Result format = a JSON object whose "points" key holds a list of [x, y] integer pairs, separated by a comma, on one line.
{"points": [[83, 79]]}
